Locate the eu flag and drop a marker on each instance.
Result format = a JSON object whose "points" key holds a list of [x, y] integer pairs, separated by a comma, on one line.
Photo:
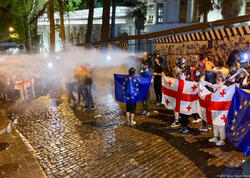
{"points": [[238, 121], [131, 88]]}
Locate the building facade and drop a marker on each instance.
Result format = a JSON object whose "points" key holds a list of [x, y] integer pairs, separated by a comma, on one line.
{"points": [[161, 15]]}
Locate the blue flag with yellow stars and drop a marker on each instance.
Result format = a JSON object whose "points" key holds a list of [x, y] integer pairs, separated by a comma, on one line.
{"points": [[131, 88], [238, 121]]}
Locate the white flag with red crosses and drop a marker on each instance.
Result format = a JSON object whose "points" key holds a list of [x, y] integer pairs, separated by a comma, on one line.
{"points": [[180, 95], [213, 107]]}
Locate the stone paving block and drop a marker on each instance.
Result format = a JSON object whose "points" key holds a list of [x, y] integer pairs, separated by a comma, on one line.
{"points": [[78, 144]]}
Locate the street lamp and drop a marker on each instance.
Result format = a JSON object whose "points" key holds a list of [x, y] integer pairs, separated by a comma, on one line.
{"points": [[11, 29]]}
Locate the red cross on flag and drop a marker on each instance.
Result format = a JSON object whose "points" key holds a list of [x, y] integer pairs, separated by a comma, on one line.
{"points": [[179, 95], [213, 107]]}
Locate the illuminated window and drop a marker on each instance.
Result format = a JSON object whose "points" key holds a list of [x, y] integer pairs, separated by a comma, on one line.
{"points": [[159, 12], [150, 18]]}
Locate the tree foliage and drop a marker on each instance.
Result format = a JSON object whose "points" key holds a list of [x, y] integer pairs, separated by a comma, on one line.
{"points": [[139, 12], [205, 7]]}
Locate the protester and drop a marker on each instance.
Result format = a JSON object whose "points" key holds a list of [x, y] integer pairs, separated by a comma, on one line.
{"points": [[208, 71], [157, 80], [240, 77], [147, 74], [219, 131], [158, 56], [220, 68], [131, 106], [147, 59], [184, 118], [179, 69]]}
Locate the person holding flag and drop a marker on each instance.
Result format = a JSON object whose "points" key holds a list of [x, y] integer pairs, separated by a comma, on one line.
{"points": [[129, 89], [219, 130], [145, 72]]}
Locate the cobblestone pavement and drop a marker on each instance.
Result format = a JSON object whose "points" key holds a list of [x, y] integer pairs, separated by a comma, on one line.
{"points": [[97, 143]]}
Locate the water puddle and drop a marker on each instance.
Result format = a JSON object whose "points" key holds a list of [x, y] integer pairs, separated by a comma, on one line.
{"points": [[4, 146]]}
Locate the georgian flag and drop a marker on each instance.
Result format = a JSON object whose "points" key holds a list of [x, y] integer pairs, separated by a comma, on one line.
{"points": [[213, 107], [180, 95]]}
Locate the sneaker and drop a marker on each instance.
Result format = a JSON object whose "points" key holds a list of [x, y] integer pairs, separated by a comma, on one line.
{"points": [[220, 142], [213, 140], [203, 129], [185, 130], [196, 121], [147, 114], [181, 130], [143, 112], [133, 122], [158, 104], [128, 123], [209, 127], [175, 124]]}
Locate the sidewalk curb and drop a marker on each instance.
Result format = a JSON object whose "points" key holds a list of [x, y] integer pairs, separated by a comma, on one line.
{"points": [[32, 151]]}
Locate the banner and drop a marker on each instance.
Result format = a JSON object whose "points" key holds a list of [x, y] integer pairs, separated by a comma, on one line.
{"points": [[131, 88], [238, 121]]}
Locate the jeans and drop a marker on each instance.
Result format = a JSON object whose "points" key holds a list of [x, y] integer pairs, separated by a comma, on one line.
{"points": [[88, 96], [80, 92], [145, 104]]}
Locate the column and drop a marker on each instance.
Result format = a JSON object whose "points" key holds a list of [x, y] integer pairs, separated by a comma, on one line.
{"points": [[190, 10]]}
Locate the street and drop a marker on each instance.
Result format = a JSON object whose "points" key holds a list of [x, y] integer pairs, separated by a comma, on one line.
{"points": [[98, 143]]}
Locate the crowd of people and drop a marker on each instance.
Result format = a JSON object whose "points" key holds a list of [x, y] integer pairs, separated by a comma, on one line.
{"points": [[214, 74]]}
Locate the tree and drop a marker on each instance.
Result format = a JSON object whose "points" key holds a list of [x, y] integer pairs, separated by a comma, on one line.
{"points": [[23, 16], [230, 8], [105, 21], [52, 25], [205, 7], [88, 38], [112, 35], [139, 12], [70, 6], [62, 29]]}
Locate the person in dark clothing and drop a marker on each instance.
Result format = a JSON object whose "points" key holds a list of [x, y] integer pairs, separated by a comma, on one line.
{"points": [[157, 55], [147, 74], [157, 80]]}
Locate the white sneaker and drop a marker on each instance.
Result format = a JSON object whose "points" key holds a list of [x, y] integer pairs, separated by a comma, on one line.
{"points": [[203, 129], [213, 140], [220, 142], [175, 124], [196, 121], [147, 114], [133, 122]]}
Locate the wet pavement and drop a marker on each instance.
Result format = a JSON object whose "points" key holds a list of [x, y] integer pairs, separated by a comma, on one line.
{"points": [[98, 143]]}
